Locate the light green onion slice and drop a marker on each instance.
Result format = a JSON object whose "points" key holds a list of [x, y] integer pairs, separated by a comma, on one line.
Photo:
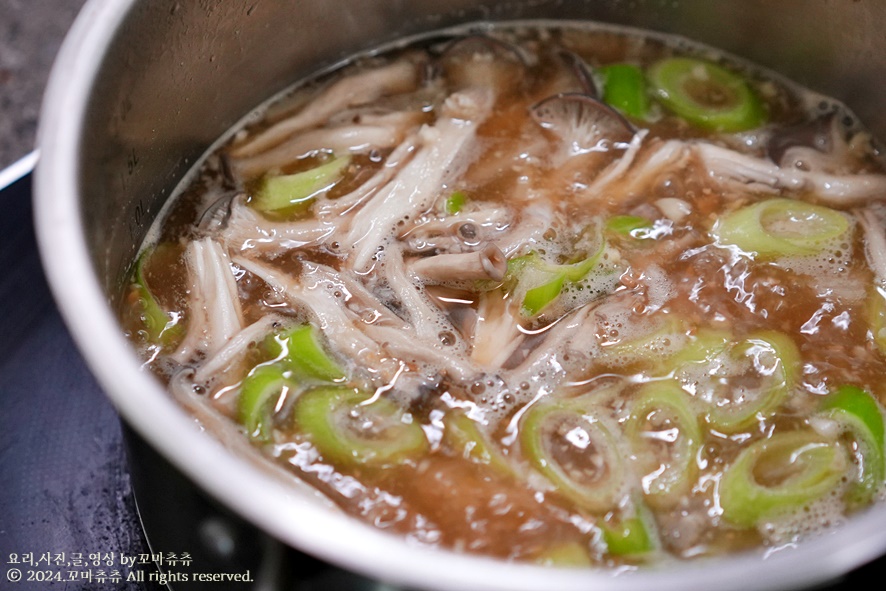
{"points": [[860, 414], [746, 381], [651, 350], [161, 327], [665, 437], [624, 87], [629, 225], [576, 453], [633, 536], [565, 554], [778, 475], [706, 95], [538, 298], [296, 192], [300, 349], [702, 349], [455, 202], [781, 227], [541, 282], [348, 427], [263, 385], [462, 435]]}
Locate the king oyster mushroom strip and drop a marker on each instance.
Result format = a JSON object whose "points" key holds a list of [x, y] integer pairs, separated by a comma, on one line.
{"points": [[214, 312], [322, 293], [745, 172], [446, 147], [359, 89], [875, 244], [247, 231]]}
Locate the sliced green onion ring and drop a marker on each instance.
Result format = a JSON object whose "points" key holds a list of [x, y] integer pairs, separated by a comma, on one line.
{"points": [[161, 327], [701, 350], [296, 192], [455, 202], [706, 95], [300, 349], [780, 474], [665, 436], [565, 554], [781, 227], [861, 416], [629, 225], [348, 427], [771, 358], [264, 384], [652, 350], [462, 435], [624, 87], [576, 453], [633, 536], [541, 282]]}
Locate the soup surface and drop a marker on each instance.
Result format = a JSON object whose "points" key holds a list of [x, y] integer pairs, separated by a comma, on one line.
{"points": [[575, 296]]}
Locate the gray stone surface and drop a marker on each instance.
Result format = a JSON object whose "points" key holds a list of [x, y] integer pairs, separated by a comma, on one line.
{"points": [[31, 32]]}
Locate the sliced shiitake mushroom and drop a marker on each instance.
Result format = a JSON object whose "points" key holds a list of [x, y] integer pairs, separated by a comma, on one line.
{"points": [[583, 122]]}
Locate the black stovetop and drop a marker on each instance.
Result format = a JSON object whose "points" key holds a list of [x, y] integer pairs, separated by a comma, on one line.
{"points": [[68, 517]]}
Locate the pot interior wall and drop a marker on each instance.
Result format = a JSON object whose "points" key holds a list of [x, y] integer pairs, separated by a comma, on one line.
{"points": [[179, 74]]}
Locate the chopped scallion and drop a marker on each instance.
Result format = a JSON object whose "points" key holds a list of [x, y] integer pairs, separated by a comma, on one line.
{"points": [[706, 95], [296, 192]]}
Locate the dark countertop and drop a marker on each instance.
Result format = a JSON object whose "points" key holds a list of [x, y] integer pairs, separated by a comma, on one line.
{"points": [[31, 32]]}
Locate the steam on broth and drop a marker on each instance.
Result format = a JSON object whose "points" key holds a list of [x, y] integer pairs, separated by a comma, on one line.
{"points": [[574, 296]]}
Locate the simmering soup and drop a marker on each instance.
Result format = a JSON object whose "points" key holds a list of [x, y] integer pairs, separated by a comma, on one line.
{"points": [[573, 295]]}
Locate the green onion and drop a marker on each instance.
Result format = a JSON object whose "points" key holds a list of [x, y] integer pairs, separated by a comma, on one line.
{"points": [[455, 202], [860, 415], [781, 227], [296, 192], [629, 225], [541, 282], [348, 427], [667, 463], [702, 349], [161, 327], [651, 350], [575, 452], [632, 536], [778, 475], [296, 361], [262, 385], [774, 357], [461, 433], [624, 87], [300, 350], [539, 298], [566, 554], [706, 95]]}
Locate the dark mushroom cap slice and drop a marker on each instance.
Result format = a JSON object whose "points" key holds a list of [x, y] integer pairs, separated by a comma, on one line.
{"points": [[216, 215], [581, 71], [584, 122]]}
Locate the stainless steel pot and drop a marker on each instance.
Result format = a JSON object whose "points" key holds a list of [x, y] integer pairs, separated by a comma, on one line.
{"points": [[142, 88]]}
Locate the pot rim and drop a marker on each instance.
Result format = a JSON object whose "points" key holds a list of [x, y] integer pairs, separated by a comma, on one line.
{"points": [[296, 518]]}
